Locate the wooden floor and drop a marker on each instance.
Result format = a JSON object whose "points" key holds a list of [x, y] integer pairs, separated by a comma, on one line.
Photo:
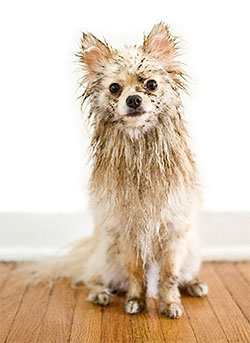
{"points": [[39, 314]]}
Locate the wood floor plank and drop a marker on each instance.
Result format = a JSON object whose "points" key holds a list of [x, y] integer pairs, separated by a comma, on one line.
{"points": [[203, 320], [235, 284], [231, 319], [86, 327], [146, 326], [4, 272], [28, 321], [244, 269], [10, 299], [57, 322], [33, 315], [116, 323], [176, 331]]}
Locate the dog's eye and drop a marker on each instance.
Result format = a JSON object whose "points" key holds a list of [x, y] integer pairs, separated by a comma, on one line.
{"points": [[151, 85], [114, 88]]}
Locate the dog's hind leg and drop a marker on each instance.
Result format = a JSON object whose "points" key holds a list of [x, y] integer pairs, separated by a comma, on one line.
{"points": [[99, 294], [103, 273], [195, 288], [190, 269]]}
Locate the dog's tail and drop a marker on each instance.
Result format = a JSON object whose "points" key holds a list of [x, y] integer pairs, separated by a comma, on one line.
{"points": [[68, 263]]}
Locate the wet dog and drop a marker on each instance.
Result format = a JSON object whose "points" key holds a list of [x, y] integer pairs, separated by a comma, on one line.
{"points": [[144, 187]]}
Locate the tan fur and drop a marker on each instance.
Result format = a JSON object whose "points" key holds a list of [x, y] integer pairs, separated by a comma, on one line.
{"points": [[144, 187]]}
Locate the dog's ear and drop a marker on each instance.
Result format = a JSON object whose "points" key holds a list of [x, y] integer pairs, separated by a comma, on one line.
{"points": [[93, 54], [160, 44], [164, 47]]}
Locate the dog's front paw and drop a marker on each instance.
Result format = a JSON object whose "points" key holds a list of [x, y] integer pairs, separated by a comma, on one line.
{"points": [[197, 289], [135, 305], [172, 310], [101, 298]]}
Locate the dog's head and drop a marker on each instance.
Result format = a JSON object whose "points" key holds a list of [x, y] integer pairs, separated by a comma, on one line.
{"points": [[134, 86]]}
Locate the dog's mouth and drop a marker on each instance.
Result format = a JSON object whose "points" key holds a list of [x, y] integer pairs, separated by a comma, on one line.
{"points": [[135, 113], [135, 119]]}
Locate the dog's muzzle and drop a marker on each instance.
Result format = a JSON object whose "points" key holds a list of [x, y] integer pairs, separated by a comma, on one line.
{"points": [[133, 101]]}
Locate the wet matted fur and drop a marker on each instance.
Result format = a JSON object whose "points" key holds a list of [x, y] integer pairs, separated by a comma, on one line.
{"points": [[144, 188]]}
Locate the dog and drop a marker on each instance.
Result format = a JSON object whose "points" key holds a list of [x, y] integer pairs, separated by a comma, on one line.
{"points": [[144, 187]]}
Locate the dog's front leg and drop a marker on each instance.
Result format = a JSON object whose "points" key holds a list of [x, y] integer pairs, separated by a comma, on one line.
{"points": [[136, 297], [170, 264]]}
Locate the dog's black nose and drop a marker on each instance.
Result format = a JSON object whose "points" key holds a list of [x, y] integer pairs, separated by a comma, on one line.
{"points": [[133, 101]]}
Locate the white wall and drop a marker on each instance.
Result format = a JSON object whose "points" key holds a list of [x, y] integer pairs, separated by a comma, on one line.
{"points": [[37, 235], [42, 136]]}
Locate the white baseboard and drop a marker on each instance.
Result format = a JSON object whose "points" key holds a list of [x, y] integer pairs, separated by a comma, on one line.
{"points": [[31, 236], [226, 253]]}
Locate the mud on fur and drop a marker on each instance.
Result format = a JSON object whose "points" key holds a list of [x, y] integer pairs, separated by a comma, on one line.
{"points": [[144, 187]]}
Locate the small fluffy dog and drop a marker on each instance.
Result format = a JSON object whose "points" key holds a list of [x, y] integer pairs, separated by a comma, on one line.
{"points": [[144, 187]]}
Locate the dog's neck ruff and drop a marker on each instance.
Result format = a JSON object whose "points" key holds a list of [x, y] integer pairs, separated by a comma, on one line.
{"points": [[140, 174]]}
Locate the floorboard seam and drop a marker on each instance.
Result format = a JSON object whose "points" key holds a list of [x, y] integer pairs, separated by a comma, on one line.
{"points": [[188, 318], [18, 308], [42, 321], [73, 314], [218, 320], [159, 319], [242, 275], [215, 312], [231, 295], [7, 276], [102, 309], [131, 327]]}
